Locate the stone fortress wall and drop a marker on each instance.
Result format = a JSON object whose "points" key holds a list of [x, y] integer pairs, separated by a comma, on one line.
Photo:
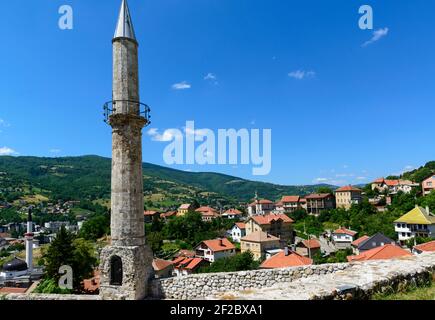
{"points": [[329, 281]]}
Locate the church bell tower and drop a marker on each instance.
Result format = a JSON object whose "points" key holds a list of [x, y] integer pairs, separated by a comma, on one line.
{"points": [[126, 264]]}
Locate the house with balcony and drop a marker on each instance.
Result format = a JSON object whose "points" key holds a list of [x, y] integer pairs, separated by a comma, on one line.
{"points": [[428, 185], [347, 196], [213, 250], [318, 202], [417, 223], [290, 204]]}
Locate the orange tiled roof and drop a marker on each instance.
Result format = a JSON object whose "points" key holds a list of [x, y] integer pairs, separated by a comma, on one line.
{"points": [[347, 189], [267, 219], [160, 264], [312, 243], [185, 206], [149, 213], [280, 260], [318, 196], [388, 251], [168, 214], [205, 209], [217, 245], [241, 225], [290, 199], [426, 247], [13, 290], [360, 240], [343, 230], [233, 212], [259, 236], [188, 263], [262, 201]]}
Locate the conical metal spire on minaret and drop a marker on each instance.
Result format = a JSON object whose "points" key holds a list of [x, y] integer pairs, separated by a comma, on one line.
{"points": [[124, 28]]}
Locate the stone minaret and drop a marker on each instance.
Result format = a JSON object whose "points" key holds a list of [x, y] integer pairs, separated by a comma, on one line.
{"points": [[29, 241], [126, 265]]}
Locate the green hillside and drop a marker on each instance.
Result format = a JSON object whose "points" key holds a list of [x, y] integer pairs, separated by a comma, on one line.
{"points": [[88, 177]]}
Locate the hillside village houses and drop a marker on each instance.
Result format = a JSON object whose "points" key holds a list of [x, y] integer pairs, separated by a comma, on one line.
{"points": [[366, 243], [343, 238], [308, 248], [278, 225], [232, 214], [428, 185], [418, 222], [393, 186]]}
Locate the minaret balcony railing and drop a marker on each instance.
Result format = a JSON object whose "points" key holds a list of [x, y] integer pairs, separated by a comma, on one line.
{"points": [[140, 109]]}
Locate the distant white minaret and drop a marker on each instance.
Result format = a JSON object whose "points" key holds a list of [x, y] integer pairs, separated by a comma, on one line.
{"points": [[29, 241]]}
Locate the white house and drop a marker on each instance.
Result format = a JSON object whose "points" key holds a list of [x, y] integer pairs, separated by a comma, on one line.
{"points": [[343, 238], [418, 223], [238, 231], [212, 250], [261, 207], [232, 214]]}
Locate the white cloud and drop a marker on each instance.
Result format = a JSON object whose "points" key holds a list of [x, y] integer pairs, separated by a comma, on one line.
{"points": [[301, 74], [210, 76], [377, 35], [156, 136], [55, 151], [321, 180], [361, 178], [181, 86], [3, 123], [6, 151]]}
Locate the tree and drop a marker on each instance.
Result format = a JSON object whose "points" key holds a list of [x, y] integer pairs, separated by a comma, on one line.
{"points": [[95, 228], [79, 254], [325, 189], [239, 262]]}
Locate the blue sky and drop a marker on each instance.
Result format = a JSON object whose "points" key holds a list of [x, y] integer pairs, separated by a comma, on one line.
{"points": [[339, 112]]}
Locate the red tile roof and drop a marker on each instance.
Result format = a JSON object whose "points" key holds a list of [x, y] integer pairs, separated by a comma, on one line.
{"points": [[388, 251], [232, 212], [205, 209], [426, 247], [343, 230], [93, 284], [168, 214], [13, 290], [5, 235], [259, 236], [149, 213], [311, 244], [348, 189], [188, 263], [280, 260], [241, 225], [267, 219], [290, 199], [185, 206], [262, 201], [160, 264], [360, 240], [217, 245], [318, 196]]}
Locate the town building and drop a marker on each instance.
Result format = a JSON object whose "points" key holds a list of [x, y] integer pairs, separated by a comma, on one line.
{"points": [[425, 247], [318, 202], [185, 266], [428, 185], [258, 242], [346, 196], [184, 209], [163, 268], [286, 259], [278, 225], [168, 215], [205, 209], [232, 214], [290, 204], [212, 250], [261, 207], [366, 243], [388, 251], [238, 231], [209, 216], [308, 248], [418, 222], [150, 216], [343, 238]]}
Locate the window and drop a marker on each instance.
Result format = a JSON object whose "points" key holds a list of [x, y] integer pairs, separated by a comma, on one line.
{"points": [[116, 271]]}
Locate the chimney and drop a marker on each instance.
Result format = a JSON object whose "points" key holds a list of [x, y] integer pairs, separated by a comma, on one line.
{"points": [[286, 251], [427, 210], [221, 242]]}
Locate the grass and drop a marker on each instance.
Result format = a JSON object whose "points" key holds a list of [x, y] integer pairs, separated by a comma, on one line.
{"points": [[422, 293]]}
